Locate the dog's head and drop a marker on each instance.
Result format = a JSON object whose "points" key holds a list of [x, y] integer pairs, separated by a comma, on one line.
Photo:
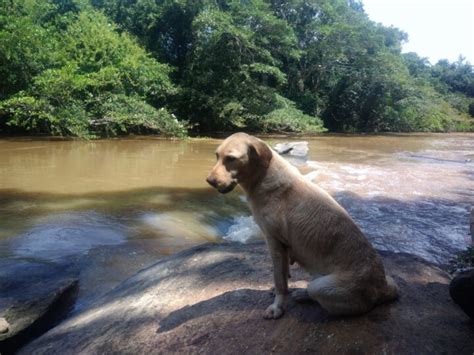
{"points": [[240, 159]]}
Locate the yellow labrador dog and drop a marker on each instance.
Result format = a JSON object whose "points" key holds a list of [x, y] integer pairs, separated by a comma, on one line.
{"points": [[303, 223]]}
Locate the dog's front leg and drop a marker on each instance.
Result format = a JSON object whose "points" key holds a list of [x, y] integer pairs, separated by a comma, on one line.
{"points": [[279, 256]]}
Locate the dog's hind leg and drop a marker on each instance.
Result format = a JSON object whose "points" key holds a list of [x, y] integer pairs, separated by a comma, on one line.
{"points": [[301, 295], [336, 296]]}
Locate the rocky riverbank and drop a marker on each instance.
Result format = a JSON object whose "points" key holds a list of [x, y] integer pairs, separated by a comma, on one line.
{"points": [[210, 299]]}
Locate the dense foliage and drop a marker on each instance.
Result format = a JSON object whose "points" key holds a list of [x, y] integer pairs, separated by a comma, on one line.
{"points": [[68, 71], [108, 67]]}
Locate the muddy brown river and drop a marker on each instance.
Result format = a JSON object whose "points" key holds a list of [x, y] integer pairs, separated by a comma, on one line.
{"points": [[113, 207]]}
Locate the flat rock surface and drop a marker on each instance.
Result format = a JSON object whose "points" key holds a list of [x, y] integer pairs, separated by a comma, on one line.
{"points": [[33, 298], [210, 299]]}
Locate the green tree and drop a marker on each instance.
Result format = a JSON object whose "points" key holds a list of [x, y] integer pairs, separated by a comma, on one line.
{"points": [[106, 67], [235, 76], [99, 82], [27, 43]]}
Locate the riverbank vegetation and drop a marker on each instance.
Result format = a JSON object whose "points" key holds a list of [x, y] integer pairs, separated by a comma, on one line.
{"points": [[464, 260], [108, 67]]}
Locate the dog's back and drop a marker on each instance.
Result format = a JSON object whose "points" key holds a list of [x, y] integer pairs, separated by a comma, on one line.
{"points": [[319, 233]]}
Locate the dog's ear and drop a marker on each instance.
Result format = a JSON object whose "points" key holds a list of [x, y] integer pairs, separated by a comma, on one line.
{"points": [[259, 152]]}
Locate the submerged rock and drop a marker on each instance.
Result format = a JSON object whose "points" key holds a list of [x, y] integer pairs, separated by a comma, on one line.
{"points": [[67, 234], [461, 290], [211, 299], [33, 298]]}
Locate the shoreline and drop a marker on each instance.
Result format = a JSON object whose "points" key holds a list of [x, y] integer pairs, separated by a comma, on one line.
{"points": [[221, 135]]}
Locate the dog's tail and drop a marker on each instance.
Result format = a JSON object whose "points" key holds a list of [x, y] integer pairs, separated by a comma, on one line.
{"points": [[390, 293]]}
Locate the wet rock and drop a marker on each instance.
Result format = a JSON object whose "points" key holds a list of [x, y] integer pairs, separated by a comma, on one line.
{"points": [[299, 149], [461, 290], [33, 298], [211, 299], [4, 326]]}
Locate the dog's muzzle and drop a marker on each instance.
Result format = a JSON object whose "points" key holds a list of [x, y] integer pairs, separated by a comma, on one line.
{"points": [[222, 189], [228, 188]]}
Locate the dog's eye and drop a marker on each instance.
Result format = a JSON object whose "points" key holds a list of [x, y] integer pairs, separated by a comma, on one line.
{"points": [[230, 159]]}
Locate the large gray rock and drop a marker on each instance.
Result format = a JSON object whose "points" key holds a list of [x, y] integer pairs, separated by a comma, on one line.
{"points": [[211, 299], [298, 149], [33, 298]]}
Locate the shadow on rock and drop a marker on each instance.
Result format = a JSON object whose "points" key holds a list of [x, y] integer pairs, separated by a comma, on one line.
{"points": [[244, 300]]}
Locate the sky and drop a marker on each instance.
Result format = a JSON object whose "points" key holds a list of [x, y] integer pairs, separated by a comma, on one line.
{"points": [[437, 29]]}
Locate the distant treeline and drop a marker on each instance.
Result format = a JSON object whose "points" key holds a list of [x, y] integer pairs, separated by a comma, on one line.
{"points": [[108, 67]]}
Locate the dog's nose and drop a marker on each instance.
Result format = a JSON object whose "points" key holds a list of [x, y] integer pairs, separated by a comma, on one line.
{"points": [[211, 181]]}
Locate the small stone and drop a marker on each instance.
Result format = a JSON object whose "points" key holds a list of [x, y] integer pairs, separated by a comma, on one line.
{"points": [[4, 326], [471, 223]]}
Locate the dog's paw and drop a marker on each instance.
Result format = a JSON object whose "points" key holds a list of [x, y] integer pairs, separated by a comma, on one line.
{"points": [[300, 295], [273, 312]]}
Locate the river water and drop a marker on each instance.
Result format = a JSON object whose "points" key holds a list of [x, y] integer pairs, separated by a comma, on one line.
{"points": [[113, 207]]}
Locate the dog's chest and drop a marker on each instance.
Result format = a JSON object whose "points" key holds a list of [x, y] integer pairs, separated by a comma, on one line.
{"points": [[270, 222]]}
